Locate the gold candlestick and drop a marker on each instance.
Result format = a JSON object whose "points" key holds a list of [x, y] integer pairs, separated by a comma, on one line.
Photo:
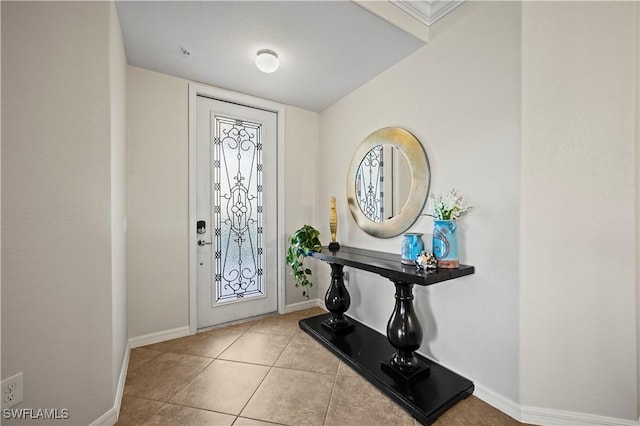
{"points": [[333, 225]]}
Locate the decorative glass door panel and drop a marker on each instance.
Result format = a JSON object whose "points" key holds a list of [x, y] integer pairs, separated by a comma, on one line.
{"points": [[237, 209], [236, 226]]}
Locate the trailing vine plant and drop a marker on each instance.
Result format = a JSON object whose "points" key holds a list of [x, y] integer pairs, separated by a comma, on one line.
{"points": [[302, 243]]}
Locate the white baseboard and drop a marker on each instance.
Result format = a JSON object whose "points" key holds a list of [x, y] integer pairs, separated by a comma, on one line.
{"points": [[107, 419], [545, 416], [160, 336], [111, 417], [541, 416], [551, 417], [122, 379], [312, 303], [497, 401]]}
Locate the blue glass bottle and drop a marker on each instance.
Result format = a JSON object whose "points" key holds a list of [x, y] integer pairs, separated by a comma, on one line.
{"points": [[412, 246]]}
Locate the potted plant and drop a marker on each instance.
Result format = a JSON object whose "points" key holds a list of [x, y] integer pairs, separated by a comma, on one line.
{"points": [[303, 241]]}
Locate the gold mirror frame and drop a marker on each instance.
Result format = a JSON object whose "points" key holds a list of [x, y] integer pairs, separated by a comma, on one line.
{"points": [[420, 180]]}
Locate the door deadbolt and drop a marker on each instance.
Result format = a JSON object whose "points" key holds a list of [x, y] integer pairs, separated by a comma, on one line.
{"points": [[201, 227]]}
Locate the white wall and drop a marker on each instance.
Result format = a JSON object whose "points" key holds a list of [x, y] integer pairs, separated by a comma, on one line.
{"points": [[118, 95], [57, 311], [157, 242], [533, 115], [579, 218], [460, 96], [158, 197], [301, 170]]}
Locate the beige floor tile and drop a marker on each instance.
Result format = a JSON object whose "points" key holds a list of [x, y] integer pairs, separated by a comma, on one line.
{"points": [[306, 355], [241, 326], [243, 421], [311, 312], [474, 412], [170, 415], [139, 356], [256, 348], [164, 375], [135, 411], [224, 386], [291, 397], [292, 393], [345, 370], [303, 336], [286, 325], [209, 343], [355, 401]]}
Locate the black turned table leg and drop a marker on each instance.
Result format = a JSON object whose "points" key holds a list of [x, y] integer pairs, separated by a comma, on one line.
{"points": [[405, 335], [337, 301]]}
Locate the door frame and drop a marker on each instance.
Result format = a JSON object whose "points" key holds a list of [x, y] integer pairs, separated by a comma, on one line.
{"points": [[237, 98]]}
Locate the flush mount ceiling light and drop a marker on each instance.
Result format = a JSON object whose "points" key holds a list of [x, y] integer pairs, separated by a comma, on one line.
{"points": [[267, 60]]}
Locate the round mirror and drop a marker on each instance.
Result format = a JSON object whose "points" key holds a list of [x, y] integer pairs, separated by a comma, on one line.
{"points": [[388, 182]]}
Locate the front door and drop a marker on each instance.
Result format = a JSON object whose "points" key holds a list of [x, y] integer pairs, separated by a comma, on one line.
{"points": [[236, 211]]}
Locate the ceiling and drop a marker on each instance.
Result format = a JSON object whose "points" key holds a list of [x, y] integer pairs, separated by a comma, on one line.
{"points": [[326, 48]]}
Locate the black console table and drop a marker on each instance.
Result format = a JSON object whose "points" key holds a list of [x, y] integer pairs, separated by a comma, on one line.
{"points": [[421, 386]]}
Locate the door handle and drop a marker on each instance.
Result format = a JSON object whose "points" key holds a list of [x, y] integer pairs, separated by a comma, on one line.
{"points": [[203, 243]]}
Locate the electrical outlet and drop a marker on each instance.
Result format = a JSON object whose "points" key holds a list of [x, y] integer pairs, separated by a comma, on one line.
{"points": [[12, 391]]}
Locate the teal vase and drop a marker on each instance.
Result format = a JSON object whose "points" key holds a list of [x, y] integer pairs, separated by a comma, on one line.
{"points": [[445, 243], [412, 246]]}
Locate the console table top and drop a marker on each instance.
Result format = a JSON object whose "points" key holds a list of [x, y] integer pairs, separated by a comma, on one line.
{"points": [[388, 265]]}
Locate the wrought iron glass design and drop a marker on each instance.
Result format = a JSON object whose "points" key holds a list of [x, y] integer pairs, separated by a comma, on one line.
{"points": [[369, 185], [237, 202]]}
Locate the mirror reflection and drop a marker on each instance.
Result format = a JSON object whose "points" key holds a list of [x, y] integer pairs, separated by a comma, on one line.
{"points": [[383, 182]]}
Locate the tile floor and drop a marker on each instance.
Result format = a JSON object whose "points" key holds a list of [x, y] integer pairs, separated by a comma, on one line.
{"points": [[264, 372]]}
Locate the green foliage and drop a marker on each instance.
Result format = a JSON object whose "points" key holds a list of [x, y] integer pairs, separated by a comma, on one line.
{"points": [[303, 241]]}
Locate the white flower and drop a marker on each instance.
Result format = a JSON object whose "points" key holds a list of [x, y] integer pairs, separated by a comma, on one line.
{"points": [[447, 208]]}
